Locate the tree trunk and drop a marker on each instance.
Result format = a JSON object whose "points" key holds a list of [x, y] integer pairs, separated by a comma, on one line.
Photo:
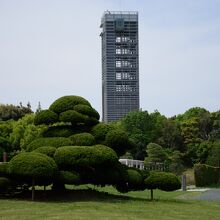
{"points": [[33, 189], [151, 194]]}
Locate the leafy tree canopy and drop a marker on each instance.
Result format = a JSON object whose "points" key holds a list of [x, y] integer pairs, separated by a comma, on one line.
{"points": [[8, 112]]}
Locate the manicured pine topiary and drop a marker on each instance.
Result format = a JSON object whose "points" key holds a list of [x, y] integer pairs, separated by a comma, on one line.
{"points": [[66, 103], [72, 116], [35, 167], [118, 140], [47, 150], [135, 179], [59, 131], [50, 141], [100, 131], [72, 157], [45, 117], [82, 139], [163, 181], [87, 110]]}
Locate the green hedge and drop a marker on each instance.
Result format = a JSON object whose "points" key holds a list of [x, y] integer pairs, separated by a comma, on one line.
{"points": [[135, 180], [66, 103], [69, 157], [4, 185], [72, 116], [82, 139], [118, 140], [32, 164], [59, 131], [206, 175], [50, 141], [91, 121], [45, 117], [87, 110], [163, 181], [100, 131], [49, 151]]}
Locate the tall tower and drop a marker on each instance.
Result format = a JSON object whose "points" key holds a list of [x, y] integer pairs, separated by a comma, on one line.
{"points": [[120, 64]]}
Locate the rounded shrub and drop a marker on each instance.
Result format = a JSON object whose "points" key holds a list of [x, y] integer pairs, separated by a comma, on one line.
{"points": [[163, 181], [82, 139], [122, 185], [72, 116], [45, 117], [67, 177], [135, 180], [87, 110], [66, 103], [59, 131], [47, 150], [100, 131], [69, 157], [91, 121], [50, 141], [32, 165], [4, 185], [118, 140]]}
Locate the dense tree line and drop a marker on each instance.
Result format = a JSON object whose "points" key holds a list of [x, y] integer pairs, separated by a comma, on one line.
{"points": [[186, 139]]}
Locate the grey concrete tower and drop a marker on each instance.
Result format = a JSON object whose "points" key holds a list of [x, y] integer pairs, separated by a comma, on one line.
{"points": [[120, 64]]}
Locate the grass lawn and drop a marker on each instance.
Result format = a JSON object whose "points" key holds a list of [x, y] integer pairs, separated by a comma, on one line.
{"points": [[107, 203]]}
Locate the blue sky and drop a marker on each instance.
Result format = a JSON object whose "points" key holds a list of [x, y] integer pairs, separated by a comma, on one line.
{"points": [[51, 48]]}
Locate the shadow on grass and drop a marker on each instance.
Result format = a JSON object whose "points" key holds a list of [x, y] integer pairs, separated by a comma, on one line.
{"points": [[82, 195]]}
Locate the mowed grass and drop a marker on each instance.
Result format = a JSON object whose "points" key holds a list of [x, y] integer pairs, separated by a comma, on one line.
{"points": [[107, 203]]}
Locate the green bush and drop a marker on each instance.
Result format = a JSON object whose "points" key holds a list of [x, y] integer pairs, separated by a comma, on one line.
{"points": [[214, 155], [32, 165], [91, 121], [206, 175], [66, 103], [118, 140], [4, 185], [87, 110], [67, 177], [49, 151], [72, 116], [50, 141], [82, 139], [163, 181], [122, 185], [135, 180], [45, 117], [59, 131], [69, 157], [100, 131]]}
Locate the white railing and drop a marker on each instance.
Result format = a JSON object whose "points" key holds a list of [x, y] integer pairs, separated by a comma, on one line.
{"points": [[133, 163]]}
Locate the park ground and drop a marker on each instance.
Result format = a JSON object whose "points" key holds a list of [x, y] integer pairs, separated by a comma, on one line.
{"points": [[88, 202]]}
